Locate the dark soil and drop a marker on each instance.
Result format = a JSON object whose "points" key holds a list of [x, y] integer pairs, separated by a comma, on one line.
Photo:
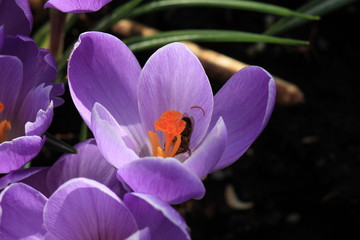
{"points": [[303, 173]]}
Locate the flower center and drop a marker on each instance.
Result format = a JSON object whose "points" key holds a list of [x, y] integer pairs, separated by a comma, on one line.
{"points": [[171, 124], [4, 125]]}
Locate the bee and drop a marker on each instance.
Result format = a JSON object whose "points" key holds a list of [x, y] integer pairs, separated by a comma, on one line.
{"points": [[186, 133], [185, 136]]}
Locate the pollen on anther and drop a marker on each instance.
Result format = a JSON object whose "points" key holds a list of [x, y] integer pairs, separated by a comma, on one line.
{"points": [[1, 107]]}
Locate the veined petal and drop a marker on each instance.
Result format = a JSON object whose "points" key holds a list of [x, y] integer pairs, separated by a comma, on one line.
{"points": [[17, 176], [42, 121], [37, 112], [10, 81], [16, 153], [16, 17], [76, 6], [245, 103], [174, 79], [165, 178], [102, 69], [33, 177], [2, 36], [113, 142], [85, 209], [88, 163], [27, 51], [163, 221], [21, 213], [143, 234], [207, 155]]}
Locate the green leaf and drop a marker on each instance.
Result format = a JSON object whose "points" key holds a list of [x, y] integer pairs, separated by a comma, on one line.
{"points": [[160, 39], [315, 7], [59, 145], [233, 4], [41, 37], [116, 15]]}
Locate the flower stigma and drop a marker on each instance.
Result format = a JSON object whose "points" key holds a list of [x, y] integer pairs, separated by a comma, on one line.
{"points": [[4, 125], [171, 124]]}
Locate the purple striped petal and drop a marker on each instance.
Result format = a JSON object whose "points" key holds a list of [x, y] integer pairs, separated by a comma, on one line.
{"points": [[174, 79], [143, 234], [162, 220], [85, 209], [10, 82], [38, 66], [112, 140], [76, 6], [17, 176], [16, 153], [88, 163], [207, 155], [37, 111], [2, 37], [34, 177], [27, 51], [102, 69], [245, 103], [16, 17], [165, 178], [21, 213]]}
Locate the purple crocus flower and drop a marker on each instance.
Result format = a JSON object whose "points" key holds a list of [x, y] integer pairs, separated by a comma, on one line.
{"points": [[85, 209], [27, 99], [15, 17], [161, 126], [76, 6], [88, 163]]}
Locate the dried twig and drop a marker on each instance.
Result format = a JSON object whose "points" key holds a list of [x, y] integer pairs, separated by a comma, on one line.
{"points": [[233, 201], [217, 65]]}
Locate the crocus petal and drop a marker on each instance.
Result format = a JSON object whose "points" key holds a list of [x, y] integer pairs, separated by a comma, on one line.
{"points": [[76, 6], [38, 181], [38, 65], [34, 177], [110, 137], [21, 212], [103, 69], [89, 163], [10, 82], [85, 209], [163, 221], [47, 72], [16, 17], [143, 234], [174, 79], [42, 118], [27, 51], [2, 36], [245, 102], [165, 178], [17, 152], [206, 156]]}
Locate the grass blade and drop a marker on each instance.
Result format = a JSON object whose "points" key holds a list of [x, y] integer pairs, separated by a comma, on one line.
{"points": [[316, 7], [233, 4], [160, 39]]}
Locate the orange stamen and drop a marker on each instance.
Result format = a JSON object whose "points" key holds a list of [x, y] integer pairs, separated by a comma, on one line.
{"points": [[154, 142], [5, 126], [172, 126]]}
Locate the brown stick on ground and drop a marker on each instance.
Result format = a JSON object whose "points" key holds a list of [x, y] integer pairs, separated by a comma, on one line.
{"points": [[217, 65]]}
